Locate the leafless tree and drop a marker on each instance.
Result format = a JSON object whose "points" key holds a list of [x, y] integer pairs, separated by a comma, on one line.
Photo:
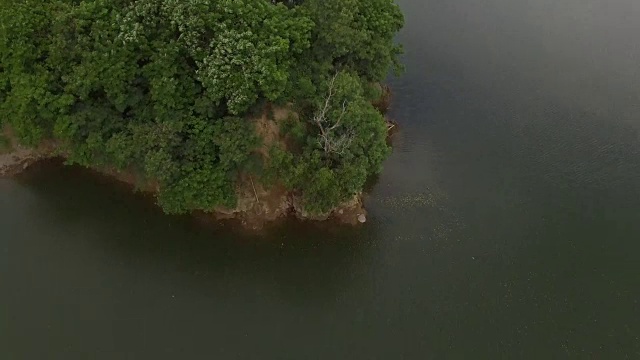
{"points": [[334, 138]]}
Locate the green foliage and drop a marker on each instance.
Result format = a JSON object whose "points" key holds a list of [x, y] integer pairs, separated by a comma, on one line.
{"points": [[357, 35], [327, 178], [166, 87]]}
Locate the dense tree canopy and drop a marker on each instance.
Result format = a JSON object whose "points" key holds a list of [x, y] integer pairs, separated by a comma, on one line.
{"points": [[167, 88]]}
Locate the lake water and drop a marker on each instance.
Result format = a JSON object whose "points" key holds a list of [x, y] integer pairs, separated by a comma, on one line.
{"points": [[506, 223]]}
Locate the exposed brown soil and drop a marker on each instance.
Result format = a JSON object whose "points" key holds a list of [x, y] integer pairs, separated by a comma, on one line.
{"points": [[392, 128], [16, 158], [257, 204], [269, 132], [384, 102]]}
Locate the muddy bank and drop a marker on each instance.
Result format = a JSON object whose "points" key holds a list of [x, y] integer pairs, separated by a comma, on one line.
{"points": [[257, 204], [15, 158], [257, 207], [15, 161]]}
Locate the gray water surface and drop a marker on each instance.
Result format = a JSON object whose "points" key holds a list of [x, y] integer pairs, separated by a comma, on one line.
{"points": [[506, 223]]}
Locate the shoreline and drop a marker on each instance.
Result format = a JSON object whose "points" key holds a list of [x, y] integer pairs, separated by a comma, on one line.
{"points": [[14, 162], [257, 205], [15, 159]]}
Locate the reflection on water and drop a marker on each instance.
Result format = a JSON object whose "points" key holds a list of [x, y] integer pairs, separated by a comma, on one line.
{"points": [[505, 223], [136, 230]]}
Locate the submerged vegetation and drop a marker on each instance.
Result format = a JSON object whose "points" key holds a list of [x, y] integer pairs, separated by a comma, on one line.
{"points": [[169, 88]]}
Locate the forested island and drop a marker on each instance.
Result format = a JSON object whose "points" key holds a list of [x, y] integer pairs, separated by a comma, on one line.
{"points": [[217, 106]]}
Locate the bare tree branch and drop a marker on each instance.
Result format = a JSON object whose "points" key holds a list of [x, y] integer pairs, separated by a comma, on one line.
{"points": [[329, 140]]}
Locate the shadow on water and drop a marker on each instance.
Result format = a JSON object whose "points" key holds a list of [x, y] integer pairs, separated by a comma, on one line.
{"points": [[136, 233], [103, 254]]}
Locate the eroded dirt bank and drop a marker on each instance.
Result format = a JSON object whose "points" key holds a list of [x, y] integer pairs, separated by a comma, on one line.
{"points": [[15, 158], [257, 205]]}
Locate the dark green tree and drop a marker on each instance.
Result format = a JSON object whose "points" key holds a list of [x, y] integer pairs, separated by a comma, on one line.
{"points": [[166, 88]]}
